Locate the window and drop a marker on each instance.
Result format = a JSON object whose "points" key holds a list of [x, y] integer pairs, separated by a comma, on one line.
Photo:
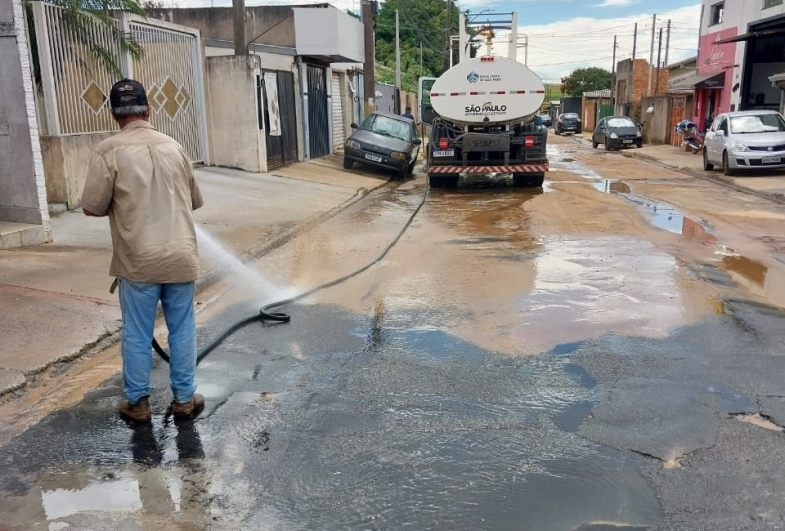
{"points": [[771, 3], [717, 13], [620, 122], [757, 123]]}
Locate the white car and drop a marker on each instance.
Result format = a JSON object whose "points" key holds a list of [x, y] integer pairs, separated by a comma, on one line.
{"points": [[745, 140]]}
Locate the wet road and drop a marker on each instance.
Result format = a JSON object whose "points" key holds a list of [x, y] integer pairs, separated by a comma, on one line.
{"points": [[605, 354]]}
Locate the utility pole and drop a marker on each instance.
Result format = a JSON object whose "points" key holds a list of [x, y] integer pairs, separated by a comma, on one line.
{"points": [[635, 42], [240, 40], [369, 76], [659, 67], [668, 42], [651, 52], [613, 65], [448, 42], [397, 53]]}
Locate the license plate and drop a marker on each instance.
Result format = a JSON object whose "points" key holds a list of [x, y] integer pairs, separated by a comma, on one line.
{"points": [[373, 158], [444, 153], [627, 141], [771, 160]]}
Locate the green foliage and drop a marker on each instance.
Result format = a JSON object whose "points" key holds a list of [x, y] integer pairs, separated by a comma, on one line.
{"points": [[421, 21], [81, 16], [586, 80]]}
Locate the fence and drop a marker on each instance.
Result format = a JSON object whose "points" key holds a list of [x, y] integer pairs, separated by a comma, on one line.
{"points": [[76, 82]]}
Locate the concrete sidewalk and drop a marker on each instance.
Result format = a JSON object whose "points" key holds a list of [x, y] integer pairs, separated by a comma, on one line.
{"points": [[55, 300], [769, 185]]}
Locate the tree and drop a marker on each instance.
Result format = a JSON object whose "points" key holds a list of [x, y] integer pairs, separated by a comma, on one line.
{"points": [[421, 22], [80, 17], [586, 80]]}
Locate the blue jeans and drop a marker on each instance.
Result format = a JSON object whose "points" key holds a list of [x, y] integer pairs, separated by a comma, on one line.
{"points": [[138, 304]]}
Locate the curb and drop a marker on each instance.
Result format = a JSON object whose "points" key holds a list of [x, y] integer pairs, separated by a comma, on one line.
{"points": [[112, 336], [717, 179]]}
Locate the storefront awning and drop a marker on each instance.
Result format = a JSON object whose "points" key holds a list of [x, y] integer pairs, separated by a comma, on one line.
{"points": [[752, 35], [704, 81]]}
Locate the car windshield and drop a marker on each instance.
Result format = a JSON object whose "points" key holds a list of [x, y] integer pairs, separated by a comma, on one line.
{"points": [[756, 123], [386, 126], [620, 122], [571, 116]]}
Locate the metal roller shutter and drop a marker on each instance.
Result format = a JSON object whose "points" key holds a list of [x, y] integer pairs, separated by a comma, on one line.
{"points": [[337, 110]]}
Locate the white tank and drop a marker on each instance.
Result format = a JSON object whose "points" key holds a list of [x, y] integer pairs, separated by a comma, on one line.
{"points": [[488, 89]]}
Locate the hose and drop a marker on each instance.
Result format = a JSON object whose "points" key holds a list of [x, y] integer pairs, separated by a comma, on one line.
{"points": [[266, 315]]}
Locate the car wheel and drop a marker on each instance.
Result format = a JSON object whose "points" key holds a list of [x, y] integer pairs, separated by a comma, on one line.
{"points": [[411, 166], [639, 145], [348, 163], [726, 164], [706, 165], [594, 143], [607, 145], [436, 181]]}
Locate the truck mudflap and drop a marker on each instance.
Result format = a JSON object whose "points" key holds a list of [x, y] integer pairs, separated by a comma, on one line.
{"points": [[519, 168]]}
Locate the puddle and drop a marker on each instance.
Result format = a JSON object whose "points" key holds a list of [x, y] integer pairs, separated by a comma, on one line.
{"points": [[760, 421], [756, 277], [666, 217], [603, 285], [610, 186]]}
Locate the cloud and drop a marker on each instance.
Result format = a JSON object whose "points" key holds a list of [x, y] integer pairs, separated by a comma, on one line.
{"points": [[616, 3], [556, 49]]}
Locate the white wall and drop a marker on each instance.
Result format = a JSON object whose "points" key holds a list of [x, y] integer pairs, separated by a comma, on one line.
{"points": [[328, 32], [235, 137]]}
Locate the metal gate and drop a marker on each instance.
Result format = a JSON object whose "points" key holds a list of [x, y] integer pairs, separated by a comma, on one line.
{"points": [[338, 112], [281, 149], [76, 83], [171, 71], [318, 117]]}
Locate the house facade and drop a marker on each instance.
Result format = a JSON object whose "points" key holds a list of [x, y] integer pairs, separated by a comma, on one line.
{"points": [[741, 46], [24, 214], [301, 81]]}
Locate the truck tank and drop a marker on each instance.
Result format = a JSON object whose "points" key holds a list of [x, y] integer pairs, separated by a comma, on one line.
{"points": [[487, 90]]}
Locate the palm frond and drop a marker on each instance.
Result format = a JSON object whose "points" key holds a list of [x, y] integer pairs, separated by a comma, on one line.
{"points": [[81, 17]]}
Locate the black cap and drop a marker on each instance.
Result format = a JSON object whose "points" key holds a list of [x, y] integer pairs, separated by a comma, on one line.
{"points": [[127, 93]]}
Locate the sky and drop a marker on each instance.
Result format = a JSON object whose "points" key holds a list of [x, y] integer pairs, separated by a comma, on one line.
{"points": [[564, 35]]}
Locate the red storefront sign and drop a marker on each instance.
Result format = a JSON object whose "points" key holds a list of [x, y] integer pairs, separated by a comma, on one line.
{"points": [[716, 57]]}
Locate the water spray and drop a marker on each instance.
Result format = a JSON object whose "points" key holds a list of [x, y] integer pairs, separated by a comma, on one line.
{"points": [[265, 312]]}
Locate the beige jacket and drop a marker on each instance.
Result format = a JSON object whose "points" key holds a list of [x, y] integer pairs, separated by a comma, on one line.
{"points": [[144, 181]]}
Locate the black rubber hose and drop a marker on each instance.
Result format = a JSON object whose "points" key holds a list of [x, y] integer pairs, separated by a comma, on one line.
{"points": [[266, 315]]}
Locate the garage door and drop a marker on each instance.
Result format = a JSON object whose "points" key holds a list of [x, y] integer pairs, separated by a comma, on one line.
{"points": [[337, 110]]}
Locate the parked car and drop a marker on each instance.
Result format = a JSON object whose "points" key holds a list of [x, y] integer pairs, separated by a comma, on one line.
{"points": [[568, 122], [546, 120], [745, 140], [616, 132], [386, 141]]}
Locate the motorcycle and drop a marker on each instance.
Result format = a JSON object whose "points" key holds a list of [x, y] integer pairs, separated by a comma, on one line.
{"points": [[692, 137]]}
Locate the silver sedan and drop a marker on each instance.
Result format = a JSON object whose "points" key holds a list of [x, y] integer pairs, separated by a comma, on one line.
{"points": [[745, 140]]}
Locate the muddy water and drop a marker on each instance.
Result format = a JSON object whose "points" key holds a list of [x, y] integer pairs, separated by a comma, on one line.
{"points": [[402, 398]]}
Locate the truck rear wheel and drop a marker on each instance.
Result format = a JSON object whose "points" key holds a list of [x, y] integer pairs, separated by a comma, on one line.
{"points": [[534, 180], [436, 181]]}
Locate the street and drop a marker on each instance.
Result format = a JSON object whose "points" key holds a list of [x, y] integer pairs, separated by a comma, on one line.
{"points": [[602, 353]]}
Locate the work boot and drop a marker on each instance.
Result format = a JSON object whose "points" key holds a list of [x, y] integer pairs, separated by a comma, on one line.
{"points": [[139, 412], [190, 409]]}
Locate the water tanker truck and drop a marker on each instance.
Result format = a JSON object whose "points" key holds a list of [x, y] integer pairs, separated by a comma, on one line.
{"points": [[483, 124]]}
